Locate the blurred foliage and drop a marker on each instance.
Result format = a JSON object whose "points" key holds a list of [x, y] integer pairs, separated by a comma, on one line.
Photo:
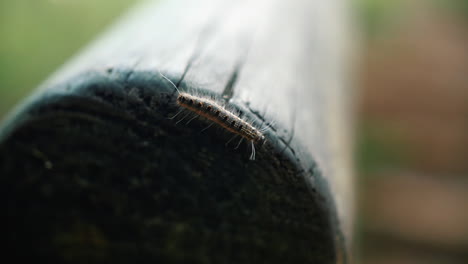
{"points": [[375, 16], [458, 6], [39, 35], [379, 147]]}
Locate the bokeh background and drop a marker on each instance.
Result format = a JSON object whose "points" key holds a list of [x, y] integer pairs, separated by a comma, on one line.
{"points": [[37, 36], [412, 131]]}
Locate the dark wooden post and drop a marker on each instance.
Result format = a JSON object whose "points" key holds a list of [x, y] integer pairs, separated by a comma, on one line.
{"points": [[93, 168]]}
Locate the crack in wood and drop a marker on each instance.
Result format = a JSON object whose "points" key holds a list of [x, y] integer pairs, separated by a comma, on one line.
{"points": [[199, 47], [228, 91]]}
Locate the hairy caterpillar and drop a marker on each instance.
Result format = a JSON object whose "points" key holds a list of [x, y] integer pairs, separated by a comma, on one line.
{"points": [[213, 111]]}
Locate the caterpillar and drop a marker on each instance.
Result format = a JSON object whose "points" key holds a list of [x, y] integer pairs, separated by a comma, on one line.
{"points": [[215, 112]]}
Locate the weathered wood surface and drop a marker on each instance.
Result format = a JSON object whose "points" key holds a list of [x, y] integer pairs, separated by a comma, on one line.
{"points": [[93, 169]]}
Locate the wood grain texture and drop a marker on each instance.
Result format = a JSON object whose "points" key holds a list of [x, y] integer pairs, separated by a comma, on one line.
{"points": [[107, 175]]}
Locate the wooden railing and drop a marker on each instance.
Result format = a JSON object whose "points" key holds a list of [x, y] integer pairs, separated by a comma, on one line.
{"points": [[140, 149]]}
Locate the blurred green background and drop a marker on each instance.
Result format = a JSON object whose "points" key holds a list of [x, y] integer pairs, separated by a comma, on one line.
{"points": [[37, 36], [412, 134], [412, 138]]}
